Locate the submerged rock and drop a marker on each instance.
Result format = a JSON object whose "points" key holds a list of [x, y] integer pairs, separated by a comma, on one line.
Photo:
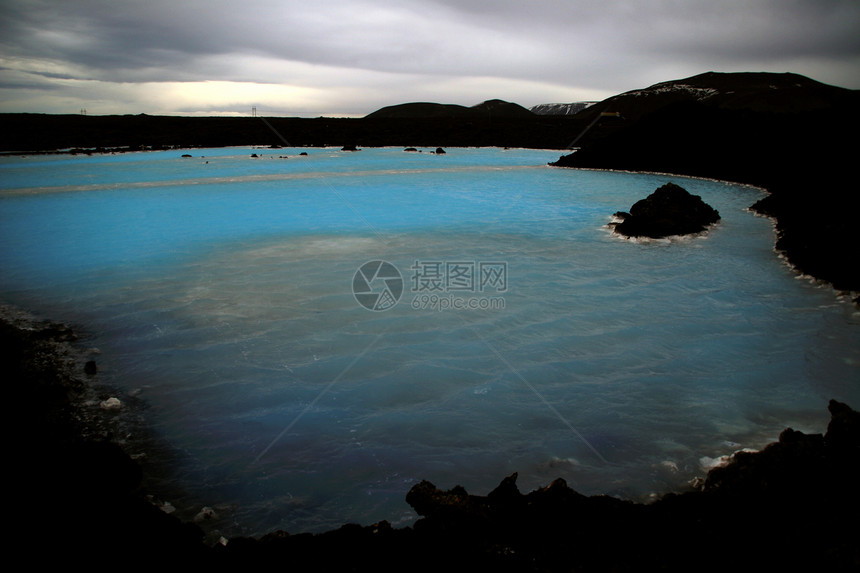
{"points": [[670, 210], [110, 404], [205, 514]]}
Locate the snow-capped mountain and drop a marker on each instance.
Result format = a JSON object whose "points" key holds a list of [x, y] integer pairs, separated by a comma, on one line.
{"points": [[561, 108]]}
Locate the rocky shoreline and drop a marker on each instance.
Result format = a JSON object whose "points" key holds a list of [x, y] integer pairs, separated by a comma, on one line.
{"points": [[803, 163], [41, 133], [77, 490], [83, 501]]}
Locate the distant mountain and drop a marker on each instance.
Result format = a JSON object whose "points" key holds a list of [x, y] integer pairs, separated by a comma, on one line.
{"points": [[561, 108], [499, 108], [423, 110], [718, 111], [686, 100], [419, 110], [751, 91]]}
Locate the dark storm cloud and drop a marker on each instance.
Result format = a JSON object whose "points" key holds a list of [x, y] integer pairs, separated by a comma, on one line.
{"points": [[603, 46], [142, 37]]}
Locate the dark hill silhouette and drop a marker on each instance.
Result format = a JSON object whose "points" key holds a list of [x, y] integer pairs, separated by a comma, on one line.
{"points": [[424, 110], [491, 123], [751, 91], [419, 110], [499, 108]]}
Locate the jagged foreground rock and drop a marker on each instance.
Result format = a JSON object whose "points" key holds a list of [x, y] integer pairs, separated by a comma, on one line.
{"points": [[774, 510]]}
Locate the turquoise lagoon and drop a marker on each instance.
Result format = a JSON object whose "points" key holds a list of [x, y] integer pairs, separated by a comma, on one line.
{"points": [[519, 334]]}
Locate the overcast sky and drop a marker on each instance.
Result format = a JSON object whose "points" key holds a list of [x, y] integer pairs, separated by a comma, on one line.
{"points": [[349, 58]]}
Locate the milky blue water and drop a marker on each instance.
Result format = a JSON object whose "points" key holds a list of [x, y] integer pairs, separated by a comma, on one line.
{"points": [[219, 290]]}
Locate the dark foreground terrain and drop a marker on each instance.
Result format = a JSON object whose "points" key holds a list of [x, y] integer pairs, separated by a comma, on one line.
{"points": [[78, 499]]}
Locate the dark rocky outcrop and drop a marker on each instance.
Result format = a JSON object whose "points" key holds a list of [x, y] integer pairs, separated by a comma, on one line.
{"points": [[782, 132], [670, 210]]}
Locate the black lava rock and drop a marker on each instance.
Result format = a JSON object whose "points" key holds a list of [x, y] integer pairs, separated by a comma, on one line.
{"points": [[670, 210]]}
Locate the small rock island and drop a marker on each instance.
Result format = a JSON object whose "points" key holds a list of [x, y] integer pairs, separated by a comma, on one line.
{"points": [[670, 210]]}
